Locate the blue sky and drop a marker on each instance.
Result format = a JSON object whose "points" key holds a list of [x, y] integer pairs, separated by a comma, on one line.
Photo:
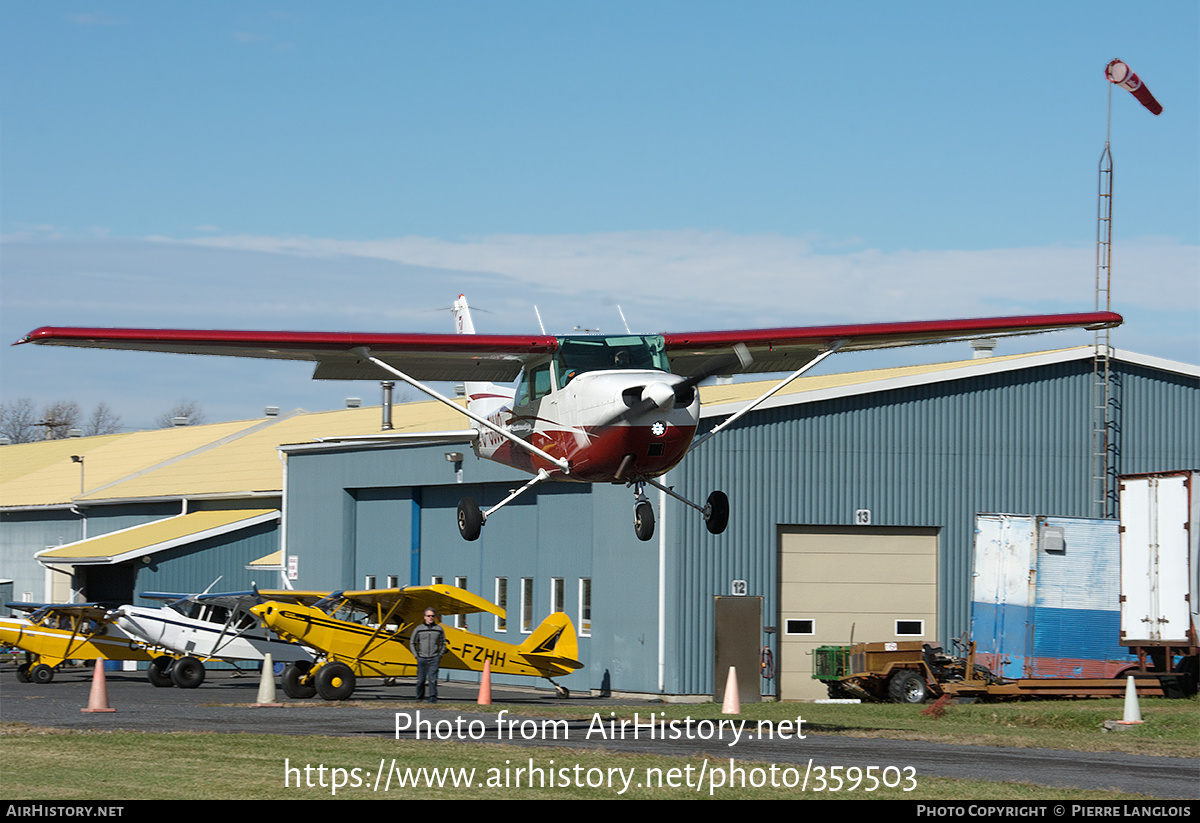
{"points": [[700, 164]]}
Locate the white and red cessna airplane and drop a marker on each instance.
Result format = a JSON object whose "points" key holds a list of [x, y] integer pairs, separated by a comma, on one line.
{"points": [[586, 407]]}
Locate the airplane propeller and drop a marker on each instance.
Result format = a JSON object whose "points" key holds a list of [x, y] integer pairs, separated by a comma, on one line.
{"points": [[661, 395]]}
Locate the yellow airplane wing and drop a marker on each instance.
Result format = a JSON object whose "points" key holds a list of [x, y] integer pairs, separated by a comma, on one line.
{"points": [[79, 611], [406, 604], [409, 603]]}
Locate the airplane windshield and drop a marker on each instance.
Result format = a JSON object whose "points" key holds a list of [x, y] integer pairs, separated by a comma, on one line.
{"points": [[595, 353]]}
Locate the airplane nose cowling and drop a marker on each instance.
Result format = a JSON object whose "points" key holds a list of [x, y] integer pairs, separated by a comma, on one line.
{"points": [[660, 394]]}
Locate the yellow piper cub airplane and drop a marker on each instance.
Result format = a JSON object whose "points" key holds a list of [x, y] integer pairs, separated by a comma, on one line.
{"points": [[56, 632], [379, 648]]}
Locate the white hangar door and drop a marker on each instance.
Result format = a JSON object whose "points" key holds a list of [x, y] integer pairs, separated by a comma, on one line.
{"points": [[879, 582]]}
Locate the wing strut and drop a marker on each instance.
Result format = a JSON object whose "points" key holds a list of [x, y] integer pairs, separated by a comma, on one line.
{"points": [[562, 464], [831, 350]]}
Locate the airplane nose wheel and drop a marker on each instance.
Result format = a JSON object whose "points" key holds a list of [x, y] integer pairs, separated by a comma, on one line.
{"points": [[643, 519]]}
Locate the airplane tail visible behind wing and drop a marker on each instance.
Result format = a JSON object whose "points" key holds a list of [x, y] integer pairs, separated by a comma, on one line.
{"points": [[482, 398], [462, 316], [553, 645]]}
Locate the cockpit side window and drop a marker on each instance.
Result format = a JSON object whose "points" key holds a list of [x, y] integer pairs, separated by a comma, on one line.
{"points": [[535, 384]]}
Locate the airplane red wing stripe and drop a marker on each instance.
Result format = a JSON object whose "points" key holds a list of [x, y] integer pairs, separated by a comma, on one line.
{"points": [[286, 344], [872, 335]]}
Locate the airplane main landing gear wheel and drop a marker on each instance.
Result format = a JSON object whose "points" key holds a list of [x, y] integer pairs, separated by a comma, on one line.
{"points": [[470, 519], [159, 672], [188, 673], [41, 674], [335, 681], [643, 520], [716, 512], [293, 681]]}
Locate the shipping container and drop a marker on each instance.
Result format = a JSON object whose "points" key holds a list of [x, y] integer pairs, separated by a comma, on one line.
{"points": [[1046, 596], [1160, 561]]}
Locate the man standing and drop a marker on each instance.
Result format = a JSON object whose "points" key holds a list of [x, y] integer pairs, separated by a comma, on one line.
{"points": [[428, 644]]}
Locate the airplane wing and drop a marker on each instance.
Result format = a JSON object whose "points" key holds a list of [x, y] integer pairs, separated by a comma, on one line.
{"points": [[231, 600], [499, 358], [489, 358], [87, 611], [788, 349], [410, 602]]}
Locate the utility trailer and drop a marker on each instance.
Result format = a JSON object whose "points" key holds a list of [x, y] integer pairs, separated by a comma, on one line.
{"points": [[1160, 571], [910, 671]]}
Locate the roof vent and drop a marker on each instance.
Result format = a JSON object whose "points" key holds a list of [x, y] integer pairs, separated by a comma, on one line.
{"points": [[353, 402], [271, 411], [983, 347]]}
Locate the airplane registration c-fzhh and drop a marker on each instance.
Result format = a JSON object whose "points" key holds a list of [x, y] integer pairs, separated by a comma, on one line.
{"points": [[379, 647], [589, 408]]}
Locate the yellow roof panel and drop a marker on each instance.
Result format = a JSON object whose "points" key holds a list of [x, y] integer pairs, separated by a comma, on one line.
{"points": [[156, 536], [43, 473], [242, 458]]}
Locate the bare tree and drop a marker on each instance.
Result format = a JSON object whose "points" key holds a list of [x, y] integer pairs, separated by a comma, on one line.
{"points": [[103, 421], [190, 409], [18, 421]]}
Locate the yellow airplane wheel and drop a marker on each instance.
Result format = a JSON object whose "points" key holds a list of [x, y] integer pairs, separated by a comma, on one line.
{"points": [[41, 674], [335, 681]]}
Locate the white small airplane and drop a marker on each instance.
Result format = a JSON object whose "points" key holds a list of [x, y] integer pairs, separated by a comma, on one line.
{"points": [[585, 407], [201, 627]]}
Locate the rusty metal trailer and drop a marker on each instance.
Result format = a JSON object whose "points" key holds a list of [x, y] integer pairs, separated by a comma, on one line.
{"points": [[910, 671]]}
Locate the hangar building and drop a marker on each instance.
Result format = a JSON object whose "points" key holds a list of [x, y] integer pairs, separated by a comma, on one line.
{"points": [[854, 499]]}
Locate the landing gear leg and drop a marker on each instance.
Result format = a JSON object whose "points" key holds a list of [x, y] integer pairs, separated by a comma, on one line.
{"points": [[715, 509], [471, 519]]}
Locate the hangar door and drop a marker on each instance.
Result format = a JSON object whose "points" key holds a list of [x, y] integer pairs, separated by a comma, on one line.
{"points": [[879, 583]]}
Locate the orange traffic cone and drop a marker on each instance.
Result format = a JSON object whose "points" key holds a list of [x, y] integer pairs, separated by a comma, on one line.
{"points": [[485, 685], [98, 699], [732, 703]]}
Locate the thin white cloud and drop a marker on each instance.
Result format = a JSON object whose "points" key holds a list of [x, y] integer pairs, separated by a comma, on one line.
{"points": [[771, 275]]}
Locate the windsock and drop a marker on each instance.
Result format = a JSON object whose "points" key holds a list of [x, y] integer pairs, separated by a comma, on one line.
{"points": [[1119, 72]]}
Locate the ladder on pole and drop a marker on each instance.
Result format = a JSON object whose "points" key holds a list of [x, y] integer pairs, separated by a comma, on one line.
{"points": [[1103, 424]]}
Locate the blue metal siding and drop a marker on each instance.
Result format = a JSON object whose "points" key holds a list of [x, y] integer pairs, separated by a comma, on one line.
{"points": [[931, 455], [927, 456], [412, 531], [196, 566]]}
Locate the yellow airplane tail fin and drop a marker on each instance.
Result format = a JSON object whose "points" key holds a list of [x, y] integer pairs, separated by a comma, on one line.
{"points": [[554, 643]]}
